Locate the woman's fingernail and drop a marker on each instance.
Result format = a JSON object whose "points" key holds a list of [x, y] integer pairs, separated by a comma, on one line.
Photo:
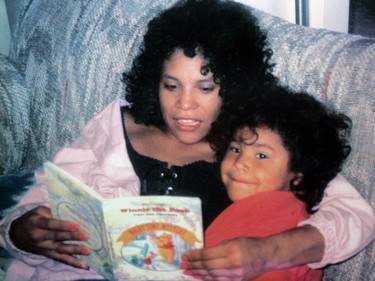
{"points": [[82, 236], [183, 266], [85, 251], [85, 266], [74, 226]]}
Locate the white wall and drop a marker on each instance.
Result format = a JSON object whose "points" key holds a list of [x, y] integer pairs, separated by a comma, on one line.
{"points": [[4, 30], [281, 8], [329, 14]]}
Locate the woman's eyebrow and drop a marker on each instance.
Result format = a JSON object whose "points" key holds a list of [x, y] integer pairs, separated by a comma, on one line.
{"points": [[168, 76], [209, 79], [203, 80]]}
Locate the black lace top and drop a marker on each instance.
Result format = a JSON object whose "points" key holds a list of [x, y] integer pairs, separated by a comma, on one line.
{"points": [[199, 179]]}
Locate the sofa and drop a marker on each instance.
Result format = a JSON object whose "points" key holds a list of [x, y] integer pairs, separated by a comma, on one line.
{"points": [[65, 64]]}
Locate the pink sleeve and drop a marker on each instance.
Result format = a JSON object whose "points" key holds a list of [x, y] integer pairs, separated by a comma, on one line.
{"points": [[98, 157], [36, 196], [346, 221]]}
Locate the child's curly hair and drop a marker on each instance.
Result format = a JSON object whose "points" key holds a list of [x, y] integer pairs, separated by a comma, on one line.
{"points": [[225, 33], [316, 136]]}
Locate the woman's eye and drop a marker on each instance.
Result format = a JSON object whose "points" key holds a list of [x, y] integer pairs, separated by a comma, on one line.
{"points": [[261, 156], [170, 87], [207, 89]]}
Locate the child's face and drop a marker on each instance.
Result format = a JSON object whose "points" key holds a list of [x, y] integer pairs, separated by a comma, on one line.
{"points": [[253, 165]]}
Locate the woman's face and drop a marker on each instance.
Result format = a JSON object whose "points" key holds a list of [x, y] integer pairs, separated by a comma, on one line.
{"points": [[189, 100], [253, 165]]}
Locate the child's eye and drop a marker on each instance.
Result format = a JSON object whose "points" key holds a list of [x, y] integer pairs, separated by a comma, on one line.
{"points": [[261, 156], [234, 149]]}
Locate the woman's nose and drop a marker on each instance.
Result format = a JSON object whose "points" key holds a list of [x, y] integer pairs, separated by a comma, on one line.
{"points": [[187, 100]]}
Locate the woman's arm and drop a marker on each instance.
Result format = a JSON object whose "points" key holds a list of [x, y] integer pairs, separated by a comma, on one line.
{"points": [[30, 227], [243, 258], [346, 221], [321, 240], [31, 235]]}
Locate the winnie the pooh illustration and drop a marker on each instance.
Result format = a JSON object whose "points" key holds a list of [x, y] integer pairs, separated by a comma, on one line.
{"points": [[165, 246]]}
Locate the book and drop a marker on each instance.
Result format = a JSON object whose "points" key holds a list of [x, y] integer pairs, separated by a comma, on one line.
{"points": [[131, 238]]}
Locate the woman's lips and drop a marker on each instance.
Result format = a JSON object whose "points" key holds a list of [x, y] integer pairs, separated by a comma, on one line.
{"points": [[187, 124]]}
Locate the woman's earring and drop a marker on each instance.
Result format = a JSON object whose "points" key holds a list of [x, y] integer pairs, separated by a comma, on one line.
{"points": [[297, 180]]}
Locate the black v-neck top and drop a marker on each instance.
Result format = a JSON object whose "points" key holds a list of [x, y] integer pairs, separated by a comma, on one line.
{"points": [[199, 179]]}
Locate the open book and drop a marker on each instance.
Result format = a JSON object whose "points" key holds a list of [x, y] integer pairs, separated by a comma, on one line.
{"points": [[131, 238]]}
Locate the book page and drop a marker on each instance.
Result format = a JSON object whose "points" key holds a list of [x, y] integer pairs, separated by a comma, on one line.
{"points": [[74, 201], [149, 234], [134, 238]]}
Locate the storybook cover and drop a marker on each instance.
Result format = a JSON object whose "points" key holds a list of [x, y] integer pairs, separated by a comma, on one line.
{"points": [[131, 238]]}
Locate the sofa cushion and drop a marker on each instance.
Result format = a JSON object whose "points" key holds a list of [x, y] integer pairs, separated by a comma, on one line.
{"points": [[72, 57], [14, 117]]}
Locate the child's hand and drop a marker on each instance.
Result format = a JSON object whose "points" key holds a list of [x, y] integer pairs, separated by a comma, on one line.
{"points": [[37, 232]]}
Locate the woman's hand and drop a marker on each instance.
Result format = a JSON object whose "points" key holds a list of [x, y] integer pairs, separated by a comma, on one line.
{"points": [[232, 260], [38, 233], [245, 258]]}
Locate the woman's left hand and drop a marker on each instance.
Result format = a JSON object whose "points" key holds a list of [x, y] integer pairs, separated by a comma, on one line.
{"points": [[241, 259], [232, 260]]}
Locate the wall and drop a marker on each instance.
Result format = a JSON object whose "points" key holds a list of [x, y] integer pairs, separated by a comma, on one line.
{"points": [[4, 30], [329, 14], [284, 9]]}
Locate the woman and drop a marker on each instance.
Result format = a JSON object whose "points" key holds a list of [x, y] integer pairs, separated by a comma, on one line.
{"points": [[192, 57]]}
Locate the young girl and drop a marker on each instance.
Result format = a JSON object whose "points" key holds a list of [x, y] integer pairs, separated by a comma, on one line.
{"points": [[277, 154]]}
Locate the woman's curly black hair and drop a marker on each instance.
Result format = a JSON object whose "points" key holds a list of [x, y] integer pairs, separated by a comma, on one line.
{"points": [[225, 33], [315, 135]]}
